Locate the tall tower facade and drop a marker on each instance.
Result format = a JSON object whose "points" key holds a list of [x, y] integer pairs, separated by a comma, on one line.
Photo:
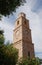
{"points": [[22, 37]]}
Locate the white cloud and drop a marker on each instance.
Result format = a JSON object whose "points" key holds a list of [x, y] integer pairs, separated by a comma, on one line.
{"points": [[8, 29]]}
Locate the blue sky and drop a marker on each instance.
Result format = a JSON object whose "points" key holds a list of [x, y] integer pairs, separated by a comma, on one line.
{"points": [[37, 5], [33, 11]]}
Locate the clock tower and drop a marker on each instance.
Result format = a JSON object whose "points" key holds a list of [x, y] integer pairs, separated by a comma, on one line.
{"points": [[22, 37]]}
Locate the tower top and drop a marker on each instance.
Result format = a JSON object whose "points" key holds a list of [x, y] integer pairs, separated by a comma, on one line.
{"points": [[22, 14]]}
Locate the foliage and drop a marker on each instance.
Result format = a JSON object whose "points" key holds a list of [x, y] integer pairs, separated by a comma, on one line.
{"points": [[8, 55], [24, 61], [35, 61], [7, 7], [12, 54], [27, 61], [0, 16], [2, 39], [40, 61]]}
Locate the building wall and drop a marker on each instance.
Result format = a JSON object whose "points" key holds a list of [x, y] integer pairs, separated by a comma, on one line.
{"points": [[17, 34], [18, 45], [28, 47], [22, 37]]}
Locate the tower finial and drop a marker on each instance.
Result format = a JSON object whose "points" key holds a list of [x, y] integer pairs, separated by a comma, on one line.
{"points": [[22, 14]]}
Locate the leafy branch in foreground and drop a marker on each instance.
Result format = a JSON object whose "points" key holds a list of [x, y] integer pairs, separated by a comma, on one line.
{"points": [[7, 7]]}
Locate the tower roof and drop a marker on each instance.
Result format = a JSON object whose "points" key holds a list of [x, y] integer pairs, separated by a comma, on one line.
{"points": [[22, 14]]}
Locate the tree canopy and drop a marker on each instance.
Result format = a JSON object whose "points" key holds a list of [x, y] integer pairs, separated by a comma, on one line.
{"points": [[7, 7], [8, 54], [2, 39]]}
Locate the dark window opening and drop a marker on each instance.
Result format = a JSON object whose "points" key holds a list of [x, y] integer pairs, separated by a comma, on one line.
{"points": [[28, 54], [17, 22], [25, 22]]}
